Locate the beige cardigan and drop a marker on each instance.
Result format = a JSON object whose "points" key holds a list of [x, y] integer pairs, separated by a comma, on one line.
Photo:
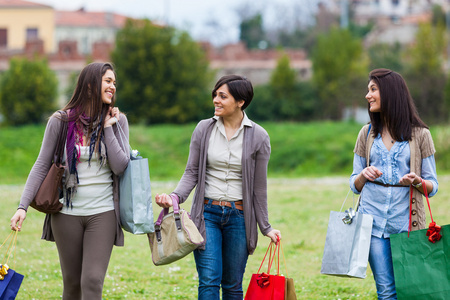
{"points": [[421, 146]]}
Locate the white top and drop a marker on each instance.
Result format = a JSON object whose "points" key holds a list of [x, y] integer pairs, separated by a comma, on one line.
{"points": [[95, 192], [224, 163]]}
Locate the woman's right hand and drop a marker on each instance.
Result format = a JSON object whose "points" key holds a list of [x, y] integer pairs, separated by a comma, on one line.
{"points": [[164, 200], [371, 173], [17, 219]]}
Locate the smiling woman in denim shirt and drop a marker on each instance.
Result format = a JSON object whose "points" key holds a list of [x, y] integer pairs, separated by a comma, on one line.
{"points": [[394, 151]]}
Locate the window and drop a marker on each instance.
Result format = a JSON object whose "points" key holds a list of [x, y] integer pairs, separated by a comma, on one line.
{"points": [[3, 37], [32, 34]]}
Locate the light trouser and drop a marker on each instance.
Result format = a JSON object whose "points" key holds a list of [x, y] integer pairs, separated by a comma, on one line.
{"points": [[84, 245], [380, 259], [222, 263]]}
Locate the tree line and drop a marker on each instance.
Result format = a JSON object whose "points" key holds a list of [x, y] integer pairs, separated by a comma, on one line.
{"points": [[164, 75]]}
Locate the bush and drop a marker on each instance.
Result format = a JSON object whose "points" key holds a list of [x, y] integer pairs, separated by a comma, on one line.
{"points": [[28, 90], [301, 105]]}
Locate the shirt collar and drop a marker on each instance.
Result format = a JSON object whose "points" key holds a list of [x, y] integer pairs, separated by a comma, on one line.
{"points": [[245, 121]]}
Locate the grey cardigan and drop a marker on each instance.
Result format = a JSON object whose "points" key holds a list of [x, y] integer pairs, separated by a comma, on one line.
{"points": [[255, 158], [118, 158]]}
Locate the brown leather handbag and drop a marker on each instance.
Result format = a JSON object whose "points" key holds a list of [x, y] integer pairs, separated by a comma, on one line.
{"points": [[47, 197]]}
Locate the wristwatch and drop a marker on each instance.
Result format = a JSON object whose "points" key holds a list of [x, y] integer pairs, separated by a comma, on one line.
{"points": [[418, 185]]}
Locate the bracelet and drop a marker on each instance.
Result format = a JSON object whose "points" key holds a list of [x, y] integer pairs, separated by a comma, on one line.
{"points": [[359, 179], [21, 207], [417, 185]]}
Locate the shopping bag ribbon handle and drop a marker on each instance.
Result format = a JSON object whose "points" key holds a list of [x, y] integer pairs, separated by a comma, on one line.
{"points": [[433, 232]]}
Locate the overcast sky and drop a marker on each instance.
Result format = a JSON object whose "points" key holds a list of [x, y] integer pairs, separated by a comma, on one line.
{"points": [[213, 20]]}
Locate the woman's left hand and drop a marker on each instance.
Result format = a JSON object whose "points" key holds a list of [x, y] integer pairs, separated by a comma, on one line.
{"points": [[112, 116], [275, 235], [409, 179]]}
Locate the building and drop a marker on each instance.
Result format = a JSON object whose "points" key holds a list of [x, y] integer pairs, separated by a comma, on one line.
{"points": [[255, 64], [87, 28], [23, 23], [67, 39], [394, 20]]}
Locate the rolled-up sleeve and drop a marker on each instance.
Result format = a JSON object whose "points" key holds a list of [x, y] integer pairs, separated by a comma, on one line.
{"points": [[359, 164], [429, 173]]}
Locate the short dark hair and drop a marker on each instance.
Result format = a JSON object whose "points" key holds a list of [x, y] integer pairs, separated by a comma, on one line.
{"points": [[398, 111], [239, 86]]}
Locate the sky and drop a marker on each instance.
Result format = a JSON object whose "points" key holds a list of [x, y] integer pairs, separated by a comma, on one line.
{"points": [[214, 20]]}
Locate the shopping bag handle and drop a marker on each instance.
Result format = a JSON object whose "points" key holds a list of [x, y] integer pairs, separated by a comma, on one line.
{"points": [[433, 231], [133, 154], [165, 211], [272, 247], [284, 259], [177, 217], [351, 212], [11, 248]]}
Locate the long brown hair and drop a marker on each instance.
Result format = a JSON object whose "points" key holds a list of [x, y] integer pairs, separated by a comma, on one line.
{"points": [[398, 111], [87, 96]]}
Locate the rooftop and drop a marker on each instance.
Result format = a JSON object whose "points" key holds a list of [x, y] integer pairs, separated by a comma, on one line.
{"points": [[88, 19], [21, 4]]}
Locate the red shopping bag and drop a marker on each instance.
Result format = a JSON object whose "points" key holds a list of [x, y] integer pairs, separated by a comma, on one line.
{"points": [[264, 286]]}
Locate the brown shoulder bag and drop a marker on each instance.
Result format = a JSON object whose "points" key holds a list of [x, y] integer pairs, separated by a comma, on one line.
{"points": [[47, 197]]}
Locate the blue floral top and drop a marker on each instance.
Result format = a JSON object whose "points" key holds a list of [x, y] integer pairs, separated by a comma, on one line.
{"points": [[389, 206]]}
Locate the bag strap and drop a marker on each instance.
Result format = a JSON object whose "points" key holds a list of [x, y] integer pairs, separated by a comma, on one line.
{"points": [[122, 134], [165, 211], [271, 258], [11, 248], [433, 229], [345, 200], [176, 216], [59, 150], [284, 259]]}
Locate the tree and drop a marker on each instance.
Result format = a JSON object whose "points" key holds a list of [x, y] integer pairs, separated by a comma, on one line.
{"points": [[283, 83], [339, 71], [284, 98], [425, 76], [28, 91], [386, 56], [252, 32], [162, 74]]}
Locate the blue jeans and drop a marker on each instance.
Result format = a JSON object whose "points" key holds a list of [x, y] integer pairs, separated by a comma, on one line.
{"points": [[380, 259], [223, 261]]}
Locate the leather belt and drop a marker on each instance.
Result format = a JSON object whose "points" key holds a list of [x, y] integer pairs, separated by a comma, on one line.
{"points": [[388, 185], [237, 204]]}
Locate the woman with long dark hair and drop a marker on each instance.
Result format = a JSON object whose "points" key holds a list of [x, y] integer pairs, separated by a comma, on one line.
{"points": [[394, 151], [88, 225]]}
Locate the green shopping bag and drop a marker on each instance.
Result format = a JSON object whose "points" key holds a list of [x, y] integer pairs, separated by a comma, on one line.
{"points": [[422, 263], [421, 268]]}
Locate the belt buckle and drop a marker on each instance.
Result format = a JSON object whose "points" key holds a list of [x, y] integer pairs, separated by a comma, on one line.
{"points": [[222, 203]]}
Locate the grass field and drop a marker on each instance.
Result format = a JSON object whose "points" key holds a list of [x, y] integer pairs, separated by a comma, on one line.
{"points": [[298, 207], [298, 149]]}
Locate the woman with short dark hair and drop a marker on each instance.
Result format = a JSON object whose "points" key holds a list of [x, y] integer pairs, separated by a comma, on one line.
{"points": [[228, 158]]}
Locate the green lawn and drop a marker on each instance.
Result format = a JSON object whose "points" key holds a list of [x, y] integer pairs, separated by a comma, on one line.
{"points": [[298, 207], [298, 149]]}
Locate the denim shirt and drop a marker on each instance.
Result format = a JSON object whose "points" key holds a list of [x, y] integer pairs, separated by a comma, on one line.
{"points": [[389, 206]]}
